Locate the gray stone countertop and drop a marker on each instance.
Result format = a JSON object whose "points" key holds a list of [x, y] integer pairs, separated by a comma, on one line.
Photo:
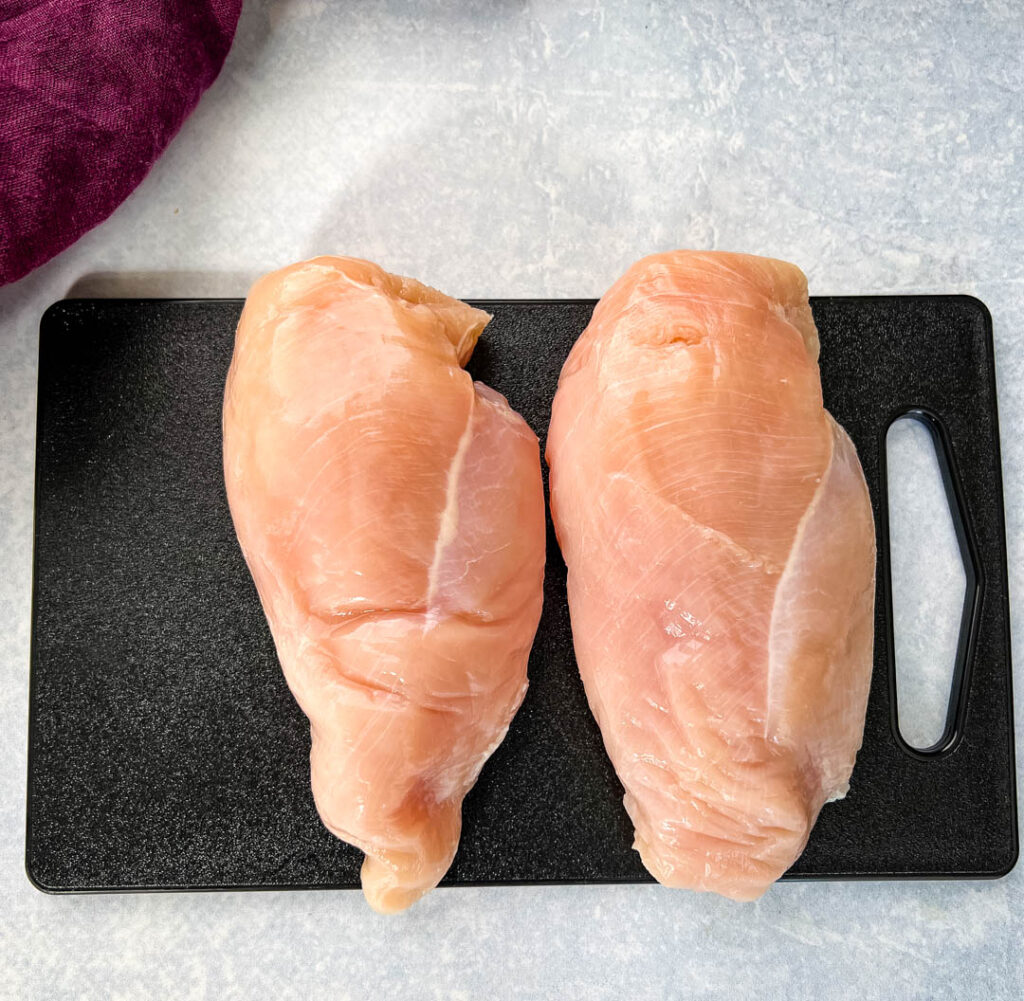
{"points": [[518, 149]]}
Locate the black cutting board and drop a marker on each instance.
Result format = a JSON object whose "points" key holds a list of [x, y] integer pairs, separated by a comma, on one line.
{"points": [[167, 753]]}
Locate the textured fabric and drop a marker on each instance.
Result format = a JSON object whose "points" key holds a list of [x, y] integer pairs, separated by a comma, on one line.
{"points": [[91, 92]]}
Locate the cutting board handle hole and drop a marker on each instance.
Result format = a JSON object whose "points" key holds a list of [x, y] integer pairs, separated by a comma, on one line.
{"points": [[933, 582]]}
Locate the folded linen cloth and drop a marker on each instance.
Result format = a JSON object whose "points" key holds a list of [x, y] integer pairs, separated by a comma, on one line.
{"points": [[91, 92]]}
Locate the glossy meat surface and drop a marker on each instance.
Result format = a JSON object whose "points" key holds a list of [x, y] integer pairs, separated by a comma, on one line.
{"points": [[720, 544], [392, 515]]}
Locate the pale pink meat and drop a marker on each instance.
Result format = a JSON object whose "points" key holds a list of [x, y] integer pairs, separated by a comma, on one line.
{"points": [[392, 515], [719, 538]]}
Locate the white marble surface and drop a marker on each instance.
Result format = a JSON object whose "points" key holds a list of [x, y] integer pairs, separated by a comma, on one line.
{"points": [[500, 148]]}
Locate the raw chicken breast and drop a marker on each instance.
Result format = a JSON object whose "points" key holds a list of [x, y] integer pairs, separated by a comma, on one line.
{"points": [[392, 515], [718, 533]]}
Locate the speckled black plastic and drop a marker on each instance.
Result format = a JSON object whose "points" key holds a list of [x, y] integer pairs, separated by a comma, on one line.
{"points": [[167, 753]]}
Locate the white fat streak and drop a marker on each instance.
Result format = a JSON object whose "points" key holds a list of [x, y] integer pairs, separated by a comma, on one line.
{"points": [[774, 665], [449, 523]]}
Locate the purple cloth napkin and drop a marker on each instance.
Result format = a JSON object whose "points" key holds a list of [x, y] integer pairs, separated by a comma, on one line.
{"points": [[91, 92]]}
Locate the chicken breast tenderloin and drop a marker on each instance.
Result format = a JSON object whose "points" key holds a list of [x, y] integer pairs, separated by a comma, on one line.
{"points": [[392, 515]]}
